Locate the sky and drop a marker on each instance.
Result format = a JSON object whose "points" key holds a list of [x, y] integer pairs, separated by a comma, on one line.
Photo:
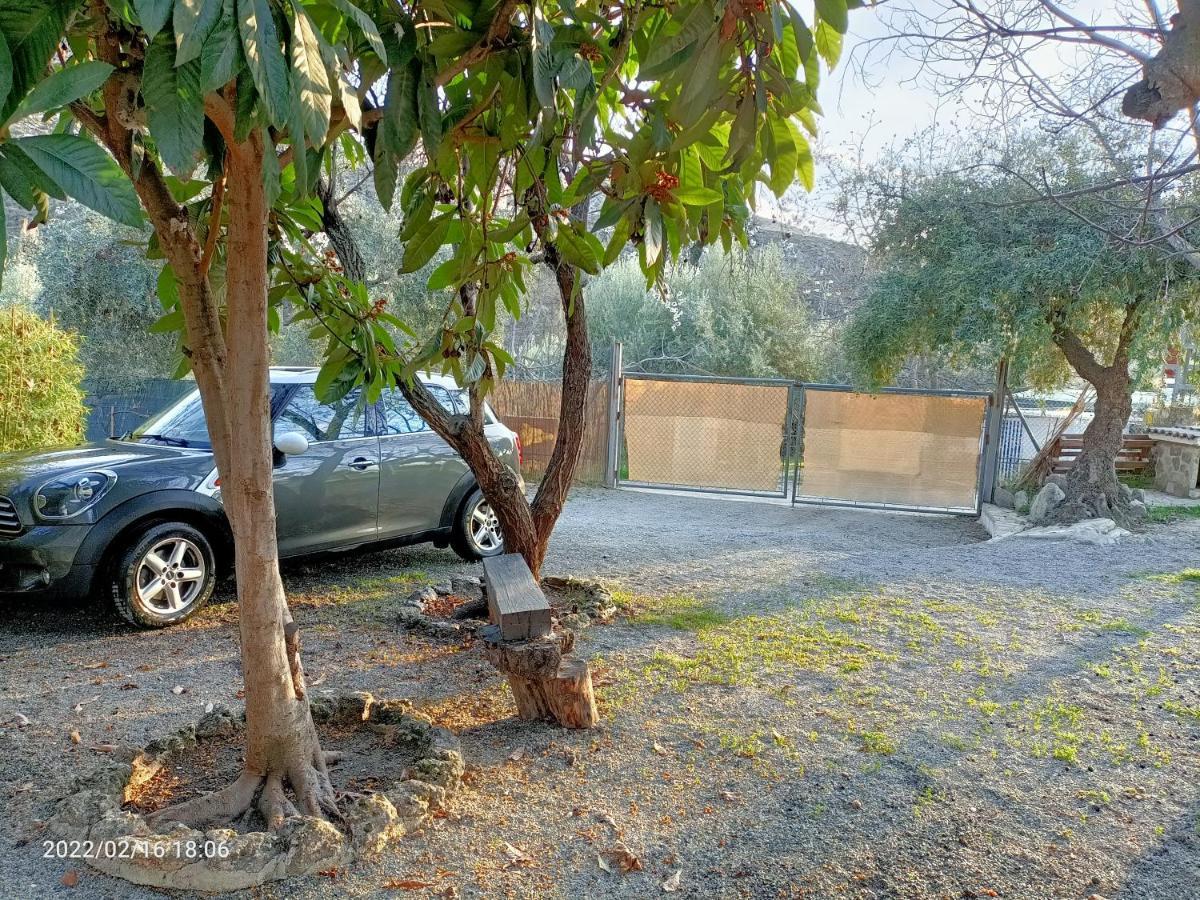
{"points": [[874, 101]]}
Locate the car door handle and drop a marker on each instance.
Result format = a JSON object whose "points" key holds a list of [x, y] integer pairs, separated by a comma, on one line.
{"points": [[362, 463]]}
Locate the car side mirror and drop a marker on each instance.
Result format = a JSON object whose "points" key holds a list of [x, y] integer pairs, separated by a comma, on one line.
{"points": [[291, 443]]}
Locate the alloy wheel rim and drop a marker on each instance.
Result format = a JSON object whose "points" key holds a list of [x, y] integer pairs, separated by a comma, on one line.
{"points": [[485, 528], [171, 575]]}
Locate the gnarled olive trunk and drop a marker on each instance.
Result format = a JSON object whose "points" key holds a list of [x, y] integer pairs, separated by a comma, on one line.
{"points": [[1091, 486]]}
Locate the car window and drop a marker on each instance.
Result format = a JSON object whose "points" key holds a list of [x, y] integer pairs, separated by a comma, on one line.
{"points": [[398, 417], [319, 421]]}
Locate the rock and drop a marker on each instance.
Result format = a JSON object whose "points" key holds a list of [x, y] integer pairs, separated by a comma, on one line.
{"points": [[373, 822], [1137, 495], [1059, 480], [1126, 492], [1090, 531], [468, 587], [1138, 510], [1050, 496], [314, 845], [1021, 501], [219, 722], [444, 588], [1003, 497], [109, 779], [420, 597]]}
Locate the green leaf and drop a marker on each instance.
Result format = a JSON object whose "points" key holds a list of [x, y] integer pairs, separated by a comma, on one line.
{"points": [[783, 157], [32, 32], [366, 24], [6, 70], [620, 237], [62, 87], [221, 57], [172, 321], [575, 247], [85, 172], [804, 162], [174, 106], [193, 21], [833, 12], [264, 57], [385, 174], [429, 115], [152, 14], [804, 38], [829, 44], [312, 79], [544, 67], [695, 195], [701, 19], [400, 110], [22, 179], [653, 237], [425, 244], [167, 288]]}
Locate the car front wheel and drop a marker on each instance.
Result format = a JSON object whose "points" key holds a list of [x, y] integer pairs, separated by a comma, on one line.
{"points": [[165, 575], [477, 532]]}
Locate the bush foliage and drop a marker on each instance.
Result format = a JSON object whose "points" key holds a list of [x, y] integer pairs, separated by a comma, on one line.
{"points": [[41, 404]]}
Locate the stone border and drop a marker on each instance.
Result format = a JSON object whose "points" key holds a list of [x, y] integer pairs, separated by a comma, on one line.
{"points": [[92, 812], [597, 605]]}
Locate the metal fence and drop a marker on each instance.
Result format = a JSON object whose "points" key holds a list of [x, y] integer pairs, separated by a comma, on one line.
{"points": [[810, 443]]}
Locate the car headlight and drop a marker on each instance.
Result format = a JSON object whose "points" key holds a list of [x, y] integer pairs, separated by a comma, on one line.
{"points": [[65, 497]]}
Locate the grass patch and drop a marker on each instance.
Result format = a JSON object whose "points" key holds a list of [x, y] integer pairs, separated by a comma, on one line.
{"points": [[877, 742], [678, 611], [1183, 576], [1166, 515], [1136, 480]]}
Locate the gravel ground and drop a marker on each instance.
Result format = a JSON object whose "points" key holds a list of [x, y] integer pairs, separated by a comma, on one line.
{"points": [[810, 702]]}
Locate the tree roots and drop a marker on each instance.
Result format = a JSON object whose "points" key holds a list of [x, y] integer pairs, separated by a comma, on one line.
{"points": [[312, 794]]}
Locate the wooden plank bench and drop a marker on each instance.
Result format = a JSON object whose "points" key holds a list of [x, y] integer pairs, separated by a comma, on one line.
{"points": [[1134, 455], [521, 641]]}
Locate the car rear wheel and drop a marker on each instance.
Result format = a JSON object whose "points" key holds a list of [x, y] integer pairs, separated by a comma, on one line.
{"points": [[477, 532], [166, 574]]}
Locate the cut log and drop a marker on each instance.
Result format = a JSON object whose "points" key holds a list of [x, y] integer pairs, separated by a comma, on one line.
{"points": [[515, 601], [472, 609], [566, 699]]}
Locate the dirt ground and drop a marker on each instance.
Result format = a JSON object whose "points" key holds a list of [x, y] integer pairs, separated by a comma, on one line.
{"points": [[796, 703]]}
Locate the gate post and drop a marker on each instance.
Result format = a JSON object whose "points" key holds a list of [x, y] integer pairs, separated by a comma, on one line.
{"points": [[613, 456], [991, 435]]}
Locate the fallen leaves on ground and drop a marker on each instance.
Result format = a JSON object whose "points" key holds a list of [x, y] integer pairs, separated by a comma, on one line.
{"points": [[619, 858], [407, 884], [70, 878]]}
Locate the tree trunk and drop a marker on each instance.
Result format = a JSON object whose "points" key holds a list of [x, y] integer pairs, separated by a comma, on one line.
{"points": [[1091, 486], [526, 526], [281, 742], [1171, 78]]}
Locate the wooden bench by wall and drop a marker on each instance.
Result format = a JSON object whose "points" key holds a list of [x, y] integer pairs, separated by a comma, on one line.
{"points": [[1133, 457]]}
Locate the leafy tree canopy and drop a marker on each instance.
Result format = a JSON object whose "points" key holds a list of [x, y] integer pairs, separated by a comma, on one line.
{"points": [[975, 267]]}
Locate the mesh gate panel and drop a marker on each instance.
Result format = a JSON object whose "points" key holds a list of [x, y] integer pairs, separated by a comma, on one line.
{"points": [[902, 449], [710, 434]]}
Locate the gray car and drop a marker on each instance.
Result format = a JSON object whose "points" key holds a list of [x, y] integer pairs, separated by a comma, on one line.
{"points": [[140, 520]]}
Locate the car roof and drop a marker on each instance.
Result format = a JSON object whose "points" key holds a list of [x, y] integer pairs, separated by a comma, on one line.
{"points": [[308, 375]]}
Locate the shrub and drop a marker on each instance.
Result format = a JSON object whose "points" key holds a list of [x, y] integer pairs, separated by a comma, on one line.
{"points": [[41, 404]]}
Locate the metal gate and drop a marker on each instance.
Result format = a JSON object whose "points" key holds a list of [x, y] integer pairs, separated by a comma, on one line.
{"points": [[810, 443], [724, 435], [895, 449]]}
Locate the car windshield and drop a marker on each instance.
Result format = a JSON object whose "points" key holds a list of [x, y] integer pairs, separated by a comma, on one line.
{"points": [[179, 425]]}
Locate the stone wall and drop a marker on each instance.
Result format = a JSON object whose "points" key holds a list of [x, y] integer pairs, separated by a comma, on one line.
{"points": [[1176, 467]]}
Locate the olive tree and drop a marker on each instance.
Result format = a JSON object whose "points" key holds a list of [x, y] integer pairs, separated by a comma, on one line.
{"points": [[972, 269]]}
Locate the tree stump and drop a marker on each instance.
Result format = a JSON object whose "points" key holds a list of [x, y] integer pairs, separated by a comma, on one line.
{"points": [[547, 683]]}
